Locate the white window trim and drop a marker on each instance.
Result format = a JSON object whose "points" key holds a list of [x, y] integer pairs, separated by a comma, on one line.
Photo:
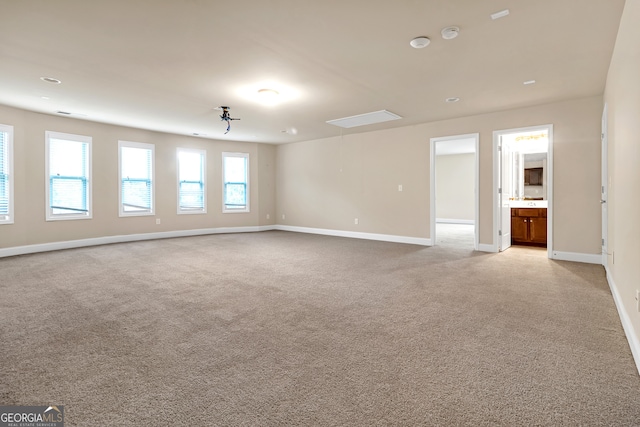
{"points": [[203, 153], [9, 153], [68, 137], [247, 208], [152, 147]]}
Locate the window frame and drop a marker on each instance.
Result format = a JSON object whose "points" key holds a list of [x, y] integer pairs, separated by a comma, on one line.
{"points": [[141, 145], [247, 207], [203, 155], [8, 130], [49, 215]]}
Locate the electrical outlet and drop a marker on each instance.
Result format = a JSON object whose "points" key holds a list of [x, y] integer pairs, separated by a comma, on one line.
{"points": [[399, 187], [268, 216], [283, 216], [355, 221], [157, 221]]}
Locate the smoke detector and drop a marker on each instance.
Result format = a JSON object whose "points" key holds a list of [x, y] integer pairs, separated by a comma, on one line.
{"points": [[449, 33], [420, 42]]}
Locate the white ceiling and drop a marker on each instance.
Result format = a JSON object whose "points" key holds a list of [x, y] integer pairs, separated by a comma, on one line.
{"points": [[166, 64]]}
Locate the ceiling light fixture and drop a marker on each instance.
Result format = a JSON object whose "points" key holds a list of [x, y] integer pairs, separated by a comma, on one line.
{"points": [[50, 80], [450, 33], [268, 96], [529, 82], [268, 92], [452, 99], [500, 14], [420, 42]]}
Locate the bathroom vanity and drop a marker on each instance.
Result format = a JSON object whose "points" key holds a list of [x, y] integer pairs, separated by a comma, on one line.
{"points": [[529, 225]]}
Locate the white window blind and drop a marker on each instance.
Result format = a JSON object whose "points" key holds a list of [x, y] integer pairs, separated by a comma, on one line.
{"points": [[235, 182], [68, 172], [191, 181], [6, 178], [136, 178]]}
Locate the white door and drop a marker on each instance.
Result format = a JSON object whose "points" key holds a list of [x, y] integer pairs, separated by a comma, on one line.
{"points": [[505, 193], [604, 190]]}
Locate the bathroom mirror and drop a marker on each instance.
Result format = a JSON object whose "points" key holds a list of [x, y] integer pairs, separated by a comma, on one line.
{"points": [[530, 176]]}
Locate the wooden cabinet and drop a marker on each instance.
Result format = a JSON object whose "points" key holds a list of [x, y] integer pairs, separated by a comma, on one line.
{"points": [[529, 226], [533, 176]]}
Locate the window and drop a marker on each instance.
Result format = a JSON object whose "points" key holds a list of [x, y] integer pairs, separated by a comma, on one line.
{"points": [[6, 174], [235, 173], [191, 182], [68, 172], [136, 178]]}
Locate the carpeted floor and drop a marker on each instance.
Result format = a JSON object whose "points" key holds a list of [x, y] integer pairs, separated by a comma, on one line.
{"points": [[278, 328]]}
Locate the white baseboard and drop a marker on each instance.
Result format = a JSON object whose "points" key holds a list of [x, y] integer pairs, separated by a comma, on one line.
{"points": [[455, 221], [70, 244], [357, 235], [577, 257], [482, 247], [629, 331]]}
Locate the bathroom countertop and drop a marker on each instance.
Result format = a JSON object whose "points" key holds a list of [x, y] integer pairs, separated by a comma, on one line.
{"points": [[528, 203]]}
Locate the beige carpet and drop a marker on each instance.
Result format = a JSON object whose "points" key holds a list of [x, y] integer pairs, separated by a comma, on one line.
{"points": [[277, 328]]}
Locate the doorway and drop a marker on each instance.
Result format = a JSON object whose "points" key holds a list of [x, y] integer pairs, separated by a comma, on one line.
{"points": [[523, 187], [454, 191]]}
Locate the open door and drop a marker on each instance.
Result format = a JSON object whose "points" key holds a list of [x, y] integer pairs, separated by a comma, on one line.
{"points": [[505, 192]]}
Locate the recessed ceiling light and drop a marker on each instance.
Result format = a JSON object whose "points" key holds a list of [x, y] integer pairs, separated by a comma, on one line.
{"points": [[50, 80], [420, 42], [449, 33], [529, 82], [45, 97], [500, 14], [452, 99]]}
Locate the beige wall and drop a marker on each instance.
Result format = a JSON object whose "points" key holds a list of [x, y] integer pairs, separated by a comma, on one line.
{"points": [[327, 183], [622, 96], [320, 184], [455, 185], [30, 226]]}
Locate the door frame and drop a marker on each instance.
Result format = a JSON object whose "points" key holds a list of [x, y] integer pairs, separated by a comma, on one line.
{"points": [[604, 194], [432, 185], [497, 164]]}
